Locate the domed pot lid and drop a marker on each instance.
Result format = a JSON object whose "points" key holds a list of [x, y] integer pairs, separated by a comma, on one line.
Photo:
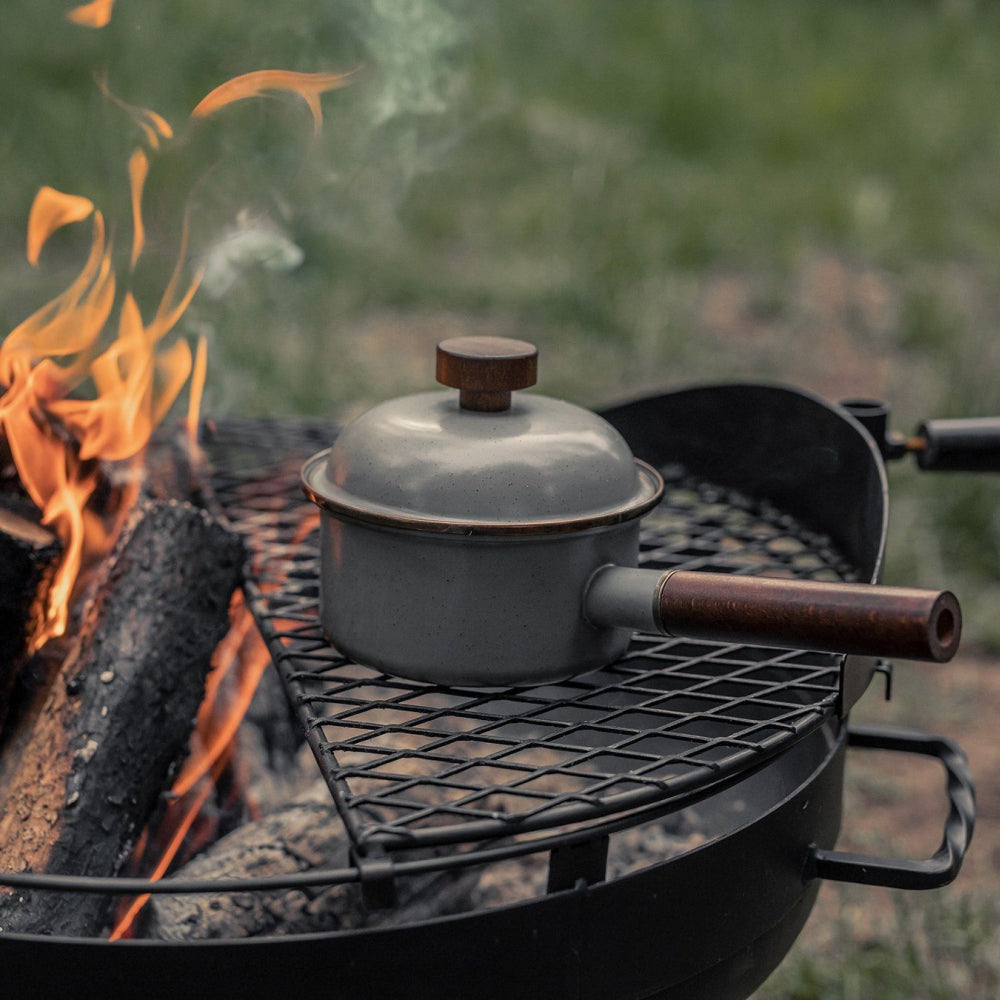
{"points": [[485, 460]]}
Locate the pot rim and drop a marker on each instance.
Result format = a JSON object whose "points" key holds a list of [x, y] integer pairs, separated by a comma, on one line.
{"points": [[342, 505]]}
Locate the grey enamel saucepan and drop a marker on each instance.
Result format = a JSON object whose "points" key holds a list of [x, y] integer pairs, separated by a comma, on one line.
{"points": [[485, 538]]}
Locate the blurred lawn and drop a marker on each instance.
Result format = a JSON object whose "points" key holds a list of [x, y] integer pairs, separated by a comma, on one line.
{"points": [[582, 170], [654, 192]]}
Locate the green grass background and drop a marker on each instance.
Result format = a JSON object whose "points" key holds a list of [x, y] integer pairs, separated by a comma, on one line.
{"points": [[605, 178], [591, 175]]}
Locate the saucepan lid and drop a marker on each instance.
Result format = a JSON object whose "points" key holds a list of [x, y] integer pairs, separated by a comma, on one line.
{"points": [[485, 460]]}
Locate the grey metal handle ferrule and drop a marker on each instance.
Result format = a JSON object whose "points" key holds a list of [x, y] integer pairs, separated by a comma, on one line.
{"points": [[619, 597]]}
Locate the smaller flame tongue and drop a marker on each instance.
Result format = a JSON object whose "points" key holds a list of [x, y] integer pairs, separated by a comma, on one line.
{"points": [[96, 14]]}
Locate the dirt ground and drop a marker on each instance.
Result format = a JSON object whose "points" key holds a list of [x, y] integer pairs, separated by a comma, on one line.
{"points": [[958, 700]]}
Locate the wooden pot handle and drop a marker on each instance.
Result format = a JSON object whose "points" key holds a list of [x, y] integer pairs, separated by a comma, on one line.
{"points": [[857, 618], [860, 618]]}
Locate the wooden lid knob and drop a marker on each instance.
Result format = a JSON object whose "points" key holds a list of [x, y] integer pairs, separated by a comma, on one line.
{"points": [[486, 370]]}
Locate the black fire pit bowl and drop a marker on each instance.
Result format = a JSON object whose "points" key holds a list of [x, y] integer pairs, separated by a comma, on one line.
{"points": [[711, 922]]}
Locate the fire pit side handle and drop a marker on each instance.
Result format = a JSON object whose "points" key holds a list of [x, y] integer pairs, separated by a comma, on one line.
{"points": [[944, 865]]}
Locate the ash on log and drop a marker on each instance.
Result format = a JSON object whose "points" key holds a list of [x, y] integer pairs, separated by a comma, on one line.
{"points": [[28, 556], [87, 760], [303, 835], [173, 468]]}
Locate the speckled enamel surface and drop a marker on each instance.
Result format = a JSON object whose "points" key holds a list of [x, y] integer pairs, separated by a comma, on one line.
{"points": [[468, 611]]}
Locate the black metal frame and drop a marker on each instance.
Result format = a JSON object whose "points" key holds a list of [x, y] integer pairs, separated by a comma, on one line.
{"points": [[655, 933]]}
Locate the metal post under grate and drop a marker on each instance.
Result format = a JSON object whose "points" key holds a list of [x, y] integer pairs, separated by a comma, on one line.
{"points": [[416, 765]]}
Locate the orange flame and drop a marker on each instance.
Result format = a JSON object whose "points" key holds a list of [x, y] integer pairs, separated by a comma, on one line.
{"points": [[237, 666], [191, 809], [196, 392], [138, 170], [52, 434], [153, 125], [51, 210], [307, 85], [96, 14], [55, 433], [73, 395]]}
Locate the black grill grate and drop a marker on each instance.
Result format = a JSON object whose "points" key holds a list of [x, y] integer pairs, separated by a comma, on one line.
{"points": [[410, 764]]}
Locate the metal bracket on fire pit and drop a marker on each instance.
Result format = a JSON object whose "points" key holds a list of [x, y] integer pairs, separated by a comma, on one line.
{"points": [[378, 877], [855, 676], [572, 864]]}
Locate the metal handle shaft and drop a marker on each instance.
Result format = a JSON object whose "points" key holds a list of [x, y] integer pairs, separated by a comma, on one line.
{"points": [[966, 445], [859, 618]]}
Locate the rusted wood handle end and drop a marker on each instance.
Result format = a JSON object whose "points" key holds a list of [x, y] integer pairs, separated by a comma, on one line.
{"points": [[863, 619]]}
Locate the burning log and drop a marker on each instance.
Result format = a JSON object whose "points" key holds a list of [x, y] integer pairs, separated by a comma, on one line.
{"points": [[301, 836], [173, 467], [28, 555], [87, 760]]}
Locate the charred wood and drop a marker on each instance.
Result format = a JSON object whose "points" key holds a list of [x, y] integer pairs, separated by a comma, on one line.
{"points": [[310, 834], [301, 836], [28, 556], [88, 760], [174, 468]]}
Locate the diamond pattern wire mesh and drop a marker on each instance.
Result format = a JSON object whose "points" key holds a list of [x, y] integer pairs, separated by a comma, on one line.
{"points": [[410, 764]]}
